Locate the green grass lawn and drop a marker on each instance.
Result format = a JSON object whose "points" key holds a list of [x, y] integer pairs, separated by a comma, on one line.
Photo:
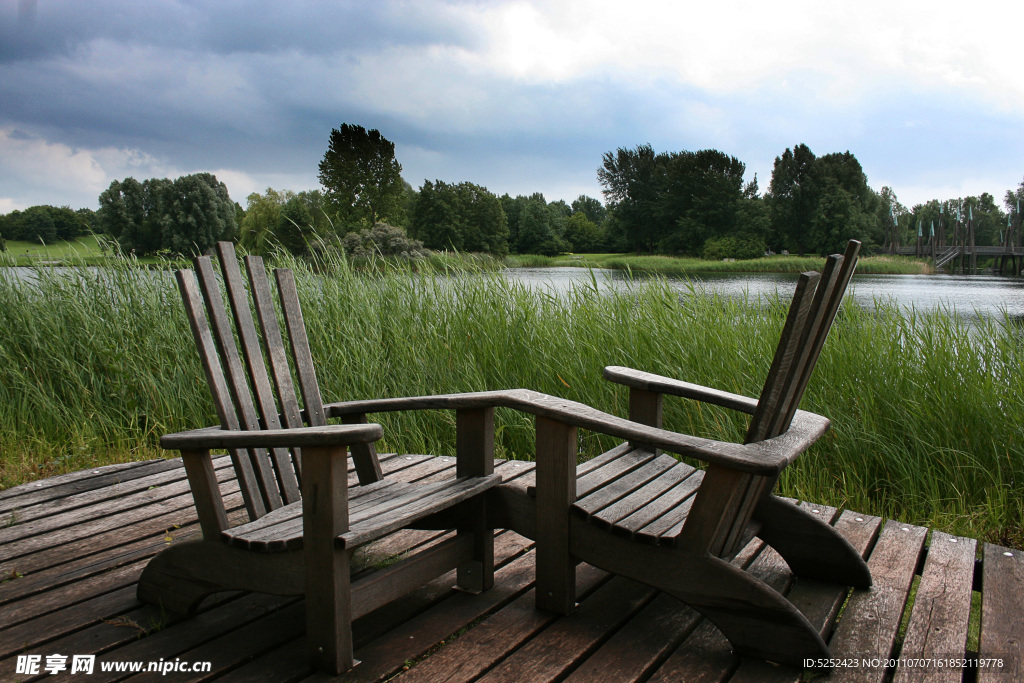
{"points": [[83, 250], [82, 247]]}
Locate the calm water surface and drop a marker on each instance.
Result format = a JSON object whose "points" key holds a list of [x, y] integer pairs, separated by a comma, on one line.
{"points": [[974, 295]]}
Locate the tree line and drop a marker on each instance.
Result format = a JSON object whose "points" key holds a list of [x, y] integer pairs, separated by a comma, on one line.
{"points": [[692, 203], [46, 224]]}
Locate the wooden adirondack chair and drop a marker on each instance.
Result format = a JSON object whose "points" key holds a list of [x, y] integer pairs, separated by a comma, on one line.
{"points": [[650, 517], [301, 544]]}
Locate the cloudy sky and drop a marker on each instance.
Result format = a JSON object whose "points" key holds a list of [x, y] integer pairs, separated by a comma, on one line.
{"points": [[518, 96]]}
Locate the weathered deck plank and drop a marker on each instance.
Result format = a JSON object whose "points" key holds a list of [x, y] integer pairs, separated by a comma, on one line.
{"points": [[80, 562]]}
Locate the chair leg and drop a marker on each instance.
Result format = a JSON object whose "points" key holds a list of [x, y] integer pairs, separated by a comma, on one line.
{"points": [[477, 575], [755, 618], [812, 547], [329, 613], [182, 574], [556, 492]]}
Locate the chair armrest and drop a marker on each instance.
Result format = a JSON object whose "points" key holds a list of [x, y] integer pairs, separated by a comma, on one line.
{"points": [[639, 379], [767, 457], [300, 437]]}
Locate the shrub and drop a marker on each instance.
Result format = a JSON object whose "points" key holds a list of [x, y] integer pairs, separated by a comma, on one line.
{"points": [[383, 240], [740, 247]]}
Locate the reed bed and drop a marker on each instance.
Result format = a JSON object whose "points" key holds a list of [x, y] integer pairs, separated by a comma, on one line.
{"points": [[676, 265], [96, 364]]}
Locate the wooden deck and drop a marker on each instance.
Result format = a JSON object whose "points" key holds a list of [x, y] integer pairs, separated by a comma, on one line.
{"points": [[72, 548]]}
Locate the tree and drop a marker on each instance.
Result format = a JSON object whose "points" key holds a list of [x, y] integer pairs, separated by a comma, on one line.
{"points": [[818, 203], [195, 213], [257, 231], [630, 179], [1013, 199], [535, 234], [361, 178], [184, 216], [698, 198], [593, 208], [464, 217], [583, 235], [792, 198], [130, 213], [513, 208], [295, 229], [436, 218]]}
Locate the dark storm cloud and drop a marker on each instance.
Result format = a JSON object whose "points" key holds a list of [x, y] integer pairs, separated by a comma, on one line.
{"points": [[497, 93], [52, 28]]}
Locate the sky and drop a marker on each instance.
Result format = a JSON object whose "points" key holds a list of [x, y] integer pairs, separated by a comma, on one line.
{"points": [[517, 96]]}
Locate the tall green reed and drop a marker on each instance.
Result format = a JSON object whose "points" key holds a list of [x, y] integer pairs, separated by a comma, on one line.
{"points": [[926, 407]]}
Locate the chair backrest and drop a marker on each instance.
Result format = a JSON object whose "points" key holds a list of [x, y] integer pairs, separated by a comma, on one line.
{"points": [[240, 383], [810, 317]]}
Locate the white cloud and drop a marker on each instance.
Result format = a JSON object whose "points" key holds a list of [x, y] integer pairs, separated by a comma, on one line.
{"points": [[55, 173], [241, 184], [737, 44]]}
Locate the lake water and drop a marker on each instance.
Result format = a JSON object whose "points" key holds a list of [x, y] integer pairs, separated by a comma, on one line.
{"points": [[974, 295], [968, 295]]}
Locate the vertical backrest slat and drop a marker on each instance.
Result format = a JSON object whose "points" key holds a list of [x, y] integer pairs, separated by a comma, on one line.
{"points": [[237, 381], [789, 384], [300, 347], [807, 326], [277, 356], [785, 355], [276, 352], [207, 349], [831, 307], [257, 370]]}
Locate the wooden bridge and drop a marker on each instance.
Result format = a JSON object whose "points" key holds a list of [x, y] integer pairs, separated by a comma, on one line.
{"points": [[964, 258], [959, 251], [72, 548]]}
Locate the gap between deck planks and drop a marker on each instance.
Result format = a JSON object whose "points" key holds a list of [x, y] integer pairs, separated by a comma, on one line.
{"points": [[85, 536]]}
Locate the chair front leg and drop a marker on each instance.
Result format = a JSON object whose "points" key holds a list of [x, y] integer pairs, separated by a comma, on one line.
{"points": [[474, 451], [556, 493], [328, 581]]}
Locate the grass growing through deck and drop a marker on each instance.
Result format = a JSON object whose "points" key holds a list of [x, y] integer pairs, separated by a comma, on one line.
{"points": [[96, 364]]}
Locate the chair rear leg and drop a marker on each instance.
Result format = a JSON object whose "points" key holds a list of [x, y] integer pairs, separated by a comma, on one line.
{"points": [[812, 547], [477, 575]]}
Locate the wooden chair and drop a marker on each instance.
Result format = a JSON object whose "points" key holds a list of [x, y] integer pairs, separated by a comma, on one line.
{"points": [[304, 523], [653, 518]]}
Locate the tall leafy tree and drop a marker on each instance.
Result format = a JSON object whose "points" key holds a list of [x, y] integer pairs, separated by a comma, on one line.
{"points": [[583, 235], [361, 178], [698, 198], [631, 178], [257, 231], [818, 203], [130, 213], [792, 198], [463, 216], [535, 233], [593, 208], [437, 220], [196, 213]]}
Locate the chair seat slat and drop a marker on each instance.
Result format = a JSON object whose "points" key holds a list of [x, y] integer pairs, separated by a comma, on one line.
{"points": [[383, 509]]}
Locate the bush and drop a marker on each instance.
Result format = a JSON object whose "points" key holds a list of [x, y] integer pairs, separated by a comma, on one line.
{"points": [[383, 240], [739, 247]]}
